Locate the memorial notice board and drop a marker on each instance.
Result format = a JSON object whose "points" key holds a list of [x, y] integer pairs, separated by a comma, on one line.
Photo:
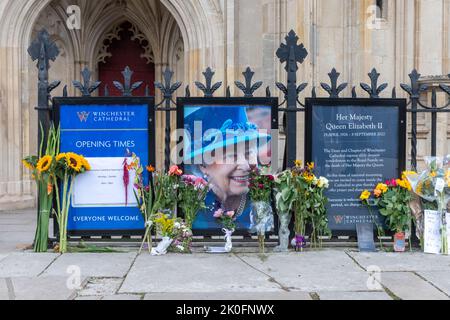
{"points": [[106, 131], [356, 144]]}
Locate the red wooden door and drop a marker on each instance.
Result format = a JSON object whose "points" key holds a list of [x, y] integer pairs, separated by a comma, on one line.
{"points": [[126, 52]]}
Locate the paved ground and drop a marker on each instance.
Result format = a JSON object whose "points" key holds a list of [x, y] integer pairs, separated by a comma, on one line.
{"points": [[336, 274]]}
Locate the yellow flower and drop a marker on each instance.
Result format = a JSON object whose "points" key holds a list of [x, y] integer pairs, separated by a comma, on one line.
{"points": [[298, 163], [419, 188], [85, 164], [311, 165], [382, 187], [309, 178], [406, 174], [433, 174], [365, 195], [60, 156], [377, 193], [44, 164], [74, 161], [27, 165]]}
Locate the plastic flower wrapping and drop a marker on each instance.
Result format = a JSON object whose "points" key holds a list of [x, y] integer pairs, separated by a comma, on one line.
{"points": [[433, 186]]}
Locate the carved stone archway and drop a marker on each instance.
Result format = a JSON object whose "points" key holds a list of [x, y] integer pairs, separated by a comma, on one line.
{"points": [[200, 25]]}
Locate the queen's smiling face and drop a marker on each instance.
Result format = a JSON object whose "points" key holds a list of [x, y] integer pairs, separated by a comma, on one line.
{"points": [[231, 178]]}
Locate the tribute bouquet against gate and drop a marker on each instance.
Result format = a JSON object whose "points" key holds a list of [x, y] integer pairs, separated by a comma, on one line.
{"points": [[433, 185], [67, 167], [49, 170], [192, 194], [262, 221], [393, 198], [309, 205], [42, 172], [157, 196]]}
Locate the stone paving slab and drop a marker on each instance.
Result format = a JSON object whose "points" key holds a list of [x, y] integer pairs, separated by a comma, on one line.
{"points": [[234, 296], [4, 293], [409, 286], [122, 297], [440, 279], [310, 261], [88, 298], [25, 264], [403, 261], [195, 273], [312, 271], [101, 287], [50, 288], [354, 296], [99, 265]]}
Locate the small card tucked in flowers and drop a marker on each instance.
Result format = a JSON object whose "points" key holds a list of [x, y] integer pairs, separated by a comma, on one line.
{"points": [[432, 234]]}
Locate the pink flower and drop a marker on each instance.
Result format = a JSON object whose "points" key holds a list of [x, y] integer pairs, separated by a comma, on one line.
{"points": [[271, 178], [230, 214], [218, 214], [394, 183], [175, 171], [199, 182]]}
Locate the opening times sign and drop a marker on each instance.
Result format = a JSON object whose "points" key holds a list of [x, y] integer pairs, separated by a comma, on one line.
{"points": [[106, 131], [356, 144]]}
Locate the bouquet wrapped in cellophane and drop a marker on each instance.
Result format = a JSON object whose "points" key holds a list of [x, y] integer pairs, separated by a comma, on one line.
{"points": [[433, 186]]}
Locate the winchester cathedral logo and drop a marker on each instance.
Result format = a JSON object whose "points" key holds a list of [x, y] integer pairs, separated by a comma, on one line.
{"points": [[339, 219], [83, 116]]}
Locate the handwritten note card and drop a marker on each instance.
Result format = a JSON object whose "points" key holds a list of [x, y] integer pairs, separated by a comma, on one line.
{"points": [[432, 234]]}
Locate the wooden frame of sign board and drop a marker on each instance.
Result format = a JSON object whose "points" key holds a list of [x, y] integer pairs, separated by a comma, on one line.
{"points": [[271, 103], [113, 102]]}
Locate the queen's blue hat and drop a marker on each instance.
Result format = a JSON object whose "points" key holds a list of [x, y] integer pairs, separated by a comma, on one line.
{"points": [[222, 126]]}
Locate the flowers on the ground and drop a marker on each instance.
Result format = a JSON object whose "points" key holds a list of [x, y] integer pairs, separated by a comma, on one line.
{"points": [[433, 187], [392, 198], [261, 186], [67, 167], [192, 196], [301, 191], [42, 169]]}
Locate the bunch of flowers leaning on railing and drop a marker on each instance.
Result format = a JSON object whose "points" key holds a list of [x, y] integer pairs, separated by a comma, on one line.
{"points": [[159, 195], [301, 191], [42, 171], [192, 194], [261, 186], [393, 199], [433, 187], [67, 167], [49, 171]]}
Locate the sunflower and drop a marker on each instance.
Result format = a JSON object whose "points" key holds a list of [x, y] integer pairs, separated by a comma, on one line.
{"points": [[60, 157], [28, 165], [44, 164], [74, 161], [85, 164], [298, 163]]}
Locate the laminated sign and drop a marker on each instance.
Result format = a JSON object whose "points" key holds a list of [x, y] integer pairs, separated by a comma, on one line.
{"points": [[106, 131]]}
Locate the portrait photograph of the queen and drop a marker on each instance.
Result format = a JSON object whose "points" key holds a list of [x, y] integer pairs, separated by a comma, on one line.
{"points": [[223, 144]]}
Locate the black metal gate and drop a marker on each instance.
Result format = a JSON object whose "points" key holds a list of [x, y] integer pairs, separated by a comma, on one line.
{"points": [[290, 53]]}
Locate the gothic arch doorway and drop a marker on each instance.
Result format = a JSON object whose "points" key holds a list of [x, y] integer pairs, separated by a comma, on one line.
{"points": [[126, 46]]}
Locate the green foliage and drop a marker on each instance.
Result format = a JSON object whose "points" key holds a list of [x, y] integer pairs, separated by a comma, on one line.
{"points": [[394, 205]]}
